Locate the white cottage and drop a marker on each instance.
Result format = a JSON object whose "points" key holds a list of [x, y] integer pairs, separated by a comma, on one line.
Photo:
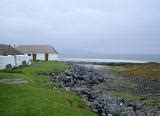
{"points": [[39, 52], [9, 55]]}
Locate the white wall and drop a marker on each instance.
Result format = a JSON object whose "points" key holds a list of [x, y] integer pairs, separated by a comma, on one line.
{"points": [[53, 57], [42, 56], [4, 60]]}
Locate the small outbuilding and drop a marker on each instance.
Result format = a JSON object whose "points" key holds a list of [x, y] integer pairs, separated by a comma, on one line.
{"points": [[39, 52], [10, 55]]}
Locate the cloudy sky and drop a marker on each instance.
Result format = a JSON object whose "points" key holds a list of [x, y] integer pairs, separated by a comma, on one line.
{"points": [[83, 26]]}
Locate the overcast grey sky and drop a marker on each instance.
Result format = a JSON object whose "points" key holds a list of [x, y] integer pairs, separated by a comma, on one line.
{"points": [[83, 26]]}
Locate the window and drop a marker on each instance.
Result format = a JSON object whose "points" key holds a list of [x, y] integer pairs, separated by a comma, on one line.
{"points": [[29, 54]]}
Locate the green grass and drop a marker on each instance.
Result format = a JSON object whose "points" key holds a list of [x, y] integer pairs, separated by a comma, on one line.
{"points": [[128, 96], [36, 98], [150, 71]]}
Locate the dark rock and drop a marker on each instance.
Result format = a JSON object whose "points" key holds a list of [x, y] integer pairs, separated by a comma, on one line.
{"points": [[8, 67], [24, 63], [103, 114], [82, 81]]}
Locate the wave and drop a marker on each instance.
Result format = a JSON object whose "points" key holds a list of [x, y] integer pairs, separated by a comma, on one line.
{"points": [[102, 60]]}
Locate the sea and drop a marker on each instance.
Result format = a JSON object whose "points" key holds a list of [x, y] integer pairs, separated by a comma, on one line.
{"points": [[112, 58]]}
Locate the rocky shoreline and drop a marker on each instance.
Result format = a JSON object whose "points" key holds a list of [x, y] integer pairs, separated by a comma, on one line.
{"points": [[84, 81]]}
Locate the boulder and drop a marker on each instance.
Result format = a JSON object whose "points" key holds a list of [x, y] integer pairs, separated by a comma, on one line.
{"points": [[8, 67]]}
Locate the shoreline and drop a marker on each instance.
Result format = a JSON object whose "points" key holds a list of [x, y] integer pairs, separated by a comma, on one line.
{"points": [[108, 92], [103, 61]]}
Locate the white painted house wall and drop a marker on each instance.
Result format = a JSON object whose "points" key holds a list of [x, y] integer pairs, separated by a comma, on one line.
{"points": [[4, 60], [53, 57], [41, 56]]}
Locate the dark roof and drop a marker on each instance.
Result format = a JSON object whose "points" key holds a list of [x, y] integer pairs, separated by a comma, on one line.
{"points": [[36, 49], [8, 50]]}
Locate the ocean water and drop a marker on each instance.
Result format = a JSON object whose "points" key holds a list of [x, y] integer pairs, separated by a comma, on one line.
{"points": [[113, 58]]}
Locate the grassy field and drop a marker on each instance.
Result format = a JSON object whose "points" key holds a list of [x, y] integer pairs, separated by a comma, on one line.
{"points": [[38, 98], [149, 71]]}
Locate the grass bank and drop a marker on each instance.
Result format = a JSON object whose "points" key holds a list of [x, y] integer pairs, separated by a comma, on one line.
{"points": [[38, 98]]}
